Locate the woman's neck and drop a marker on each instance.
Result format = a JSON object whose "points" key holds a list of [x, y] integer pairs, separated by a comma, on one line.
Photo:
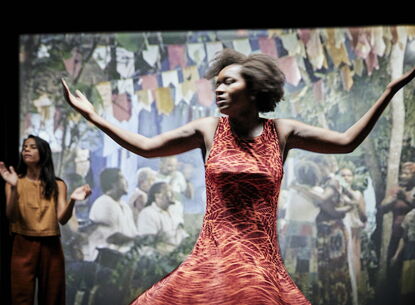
{"points": [[247, 124], [33, 173]]}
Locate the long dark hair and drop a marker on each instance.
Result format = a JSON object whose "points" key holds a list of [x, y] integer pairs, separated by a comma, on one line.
{"points": [[154, 189], [47, 170]]}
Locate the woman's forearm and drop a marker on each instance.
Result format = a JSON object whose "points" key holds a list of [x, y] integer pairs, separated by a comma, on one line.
{"points": [[129, 140], [11, 203], [66, 214]]}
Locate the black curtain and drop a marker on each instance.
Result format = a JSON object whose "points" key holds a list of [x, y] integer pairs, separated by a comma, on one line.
{"points": [[9, 149]]}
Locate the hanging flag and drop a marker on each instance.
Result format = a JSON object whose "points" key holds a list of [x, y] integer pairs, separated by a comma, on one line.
{"points": [[196, 52], [171, 79], [379, 45], [151, 54], [292, 44], [105, 91], [335, 48], [371, 62], [274, 32], [347, 77], [176, 56], [205, 92], [212, 48], [73, 64], [125, 62], [358, 66], [242, 45], [362, 47], [267, 46], [188, 87], [315, 51], [145, 99], [121, 106], [288, 65], [102, 56], [126, 86], [304, 35], [190, 73], [149, 81], [164, 100]]}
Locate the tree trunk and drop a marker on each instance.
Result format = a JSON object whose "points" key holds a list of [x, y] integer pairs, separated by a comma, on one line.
{"points": [[395, 149]]}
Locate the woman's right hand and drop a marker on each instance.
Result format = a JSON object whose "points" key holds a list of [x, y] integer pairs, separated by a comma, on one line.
{"points": [[79, 102], [8, 176]]}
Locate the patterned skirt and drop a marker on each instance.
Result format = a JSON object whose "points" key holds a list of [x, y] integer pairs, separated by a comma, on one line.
{"points": [[334, 283]]}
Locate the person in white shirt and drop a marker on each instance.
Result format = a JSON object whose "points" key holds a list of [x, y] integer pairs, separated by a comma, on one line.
{"points": [[355, 221], [169, 173], [137, 201], [115, 226], [157, 220], [300, 232]]}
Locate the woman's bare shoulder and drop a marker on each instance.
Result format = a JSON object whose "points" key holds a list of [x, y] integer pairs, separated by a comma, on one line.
{"points": [[207, 127], [208, 120], [284, 126], [206, 124], [60, 182]]}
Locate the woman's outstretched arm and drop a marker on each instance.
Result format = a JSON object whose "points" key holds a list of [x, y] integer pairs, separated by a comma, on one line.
{"points": [[321, 140], [172, 142]]}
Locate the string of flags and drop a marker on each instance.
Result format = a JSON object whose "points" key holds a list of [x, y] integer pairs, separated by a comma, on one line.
{"points": [[167, 73]]}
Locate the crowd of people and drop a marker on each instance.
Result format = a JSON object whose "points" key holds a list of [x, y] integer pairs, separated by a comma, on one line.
{"points": [[150, 218], [324, 245]]}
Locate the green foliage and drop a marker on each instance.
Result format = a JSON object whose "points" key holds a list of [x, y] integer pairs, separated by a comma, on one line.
{"points": [[132, 42], [135, 272], [172, 37]]}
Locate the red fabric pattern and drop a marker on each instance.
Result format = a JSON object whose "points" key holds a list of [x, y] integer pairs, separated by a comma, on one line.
{"points": [[236, 259]]}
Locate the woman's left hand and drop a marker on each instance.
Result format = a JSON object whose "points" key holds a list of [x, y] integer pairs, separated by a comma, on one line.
{"points": [[398, 83], [81, 193]]}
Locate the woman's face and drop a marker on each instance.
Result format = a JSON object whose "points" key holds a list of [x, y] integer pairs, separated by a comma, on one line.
{"points": [[165, 197], [231, 93], [406, 177], [347, 175], [30, 152]]}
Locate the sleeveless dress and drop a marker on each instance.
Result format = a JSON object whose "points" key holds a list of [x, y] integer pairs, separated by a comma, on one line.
{"points": [[236, 259]]}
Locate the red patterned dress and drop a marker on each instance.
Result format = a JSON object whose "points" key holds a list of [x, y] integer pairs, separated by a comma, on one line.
{"points": [[236, 259]]}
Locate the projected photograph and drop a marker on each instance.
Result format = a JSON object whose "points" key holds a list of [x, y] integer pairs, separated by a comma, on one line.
{"points": [[145, 215]]}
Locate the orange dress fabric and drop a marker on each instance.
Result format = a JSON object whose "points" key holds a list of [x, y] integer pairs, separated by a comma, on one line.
{"points": [[236, 259]]}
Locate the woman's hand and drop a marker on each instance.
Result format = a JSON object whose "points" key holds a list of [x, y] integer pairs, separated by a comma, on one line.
{"points": [[79, 102], [398, 83], [8, 176], [81, 193]]}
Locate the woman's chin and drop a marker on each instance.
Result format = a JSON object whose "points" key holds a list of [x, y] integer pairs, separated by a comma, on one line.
{"points": [[224, 110]]}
